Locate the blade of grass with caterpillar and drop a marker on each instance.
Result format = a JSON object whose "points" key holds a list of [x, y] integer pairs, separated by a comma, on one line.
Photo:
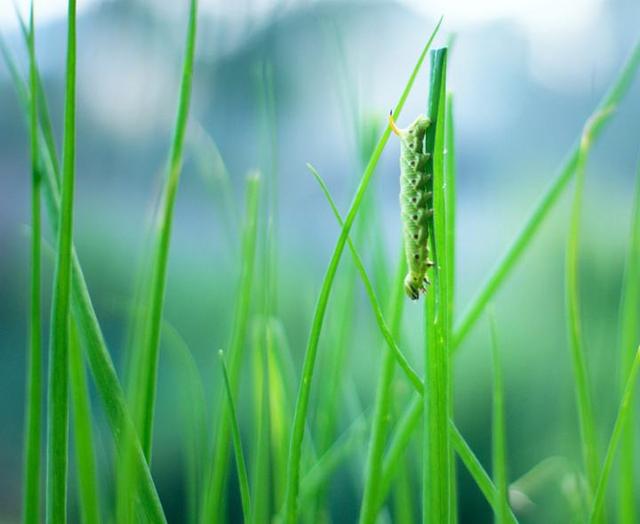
{"points": [[300, 414], [437, 454], [614, 96]]}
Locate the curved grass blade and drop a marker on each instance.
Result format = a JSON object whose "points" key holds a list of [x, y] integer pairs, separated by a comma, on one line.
{"points": [[82, 434], [368, 510], [149, 359], [629, 339], [300, 414], [57, 401], [243, 478], [623, 414], [34, 392], [411, 374], [513, 253], [576, 343]]}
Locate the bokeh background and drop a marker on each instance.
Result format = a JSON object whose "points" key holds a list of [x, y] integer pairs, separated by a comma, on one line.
{"points": [[524, 75]]}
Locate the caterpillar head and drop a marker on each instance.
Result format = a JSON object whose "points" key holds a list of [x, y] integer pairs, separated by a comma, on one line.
{"points": [[417, 128], [413, 284]]}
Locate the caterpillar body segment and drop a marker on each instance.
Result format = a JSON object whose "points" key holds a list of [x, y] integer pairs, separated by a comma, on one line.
{"points": [[416, 203]]}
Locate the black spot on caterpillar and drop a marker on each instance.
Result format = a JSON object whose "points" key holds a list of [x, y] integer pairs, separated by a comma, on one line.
{"points": [[414, 203]]}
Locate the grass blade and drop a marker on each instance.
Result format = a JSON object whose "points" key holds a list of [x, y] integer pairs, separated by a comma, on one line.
{"points": [[581, 376], [302, 403], [213, 497], [34, 392], [83, 435], [243, 478], [499, 436], [629, 339], [58, 408], [437, 456], [149, 358], [623, 414], [513, 253]]}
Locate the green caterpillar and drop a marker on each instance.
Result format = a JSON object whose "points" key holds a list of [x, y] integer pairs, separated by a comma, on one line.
{"points": [[416, 202]]}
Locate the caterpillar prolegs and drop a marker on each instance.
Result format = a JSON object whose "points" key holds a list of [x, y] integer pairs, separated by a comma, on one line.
{"points": [[416, 202]]}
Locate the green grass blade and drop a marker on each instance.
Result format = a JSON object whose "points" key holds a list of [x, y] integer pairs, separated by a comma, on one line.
{"points": [[623, 414], [82, 434], [241, 465], [628, 339], [102, 368], [513, 253], [261, 474], [499, 436], [369, 509], [214, 496], [614, 96], [450, 210], [57, 401], [576, 343], [302, 403], [34, 391], [149, 361], [437, 455]]}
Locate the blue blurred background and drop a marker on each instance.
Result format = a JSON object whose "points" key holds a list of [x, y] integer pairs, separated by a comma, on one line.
{"points": [[524, 76]]}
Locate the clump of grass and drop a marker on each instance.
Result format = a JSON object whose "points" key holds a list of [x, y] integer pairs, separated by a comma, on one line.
{"points": [[273, 381]]}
